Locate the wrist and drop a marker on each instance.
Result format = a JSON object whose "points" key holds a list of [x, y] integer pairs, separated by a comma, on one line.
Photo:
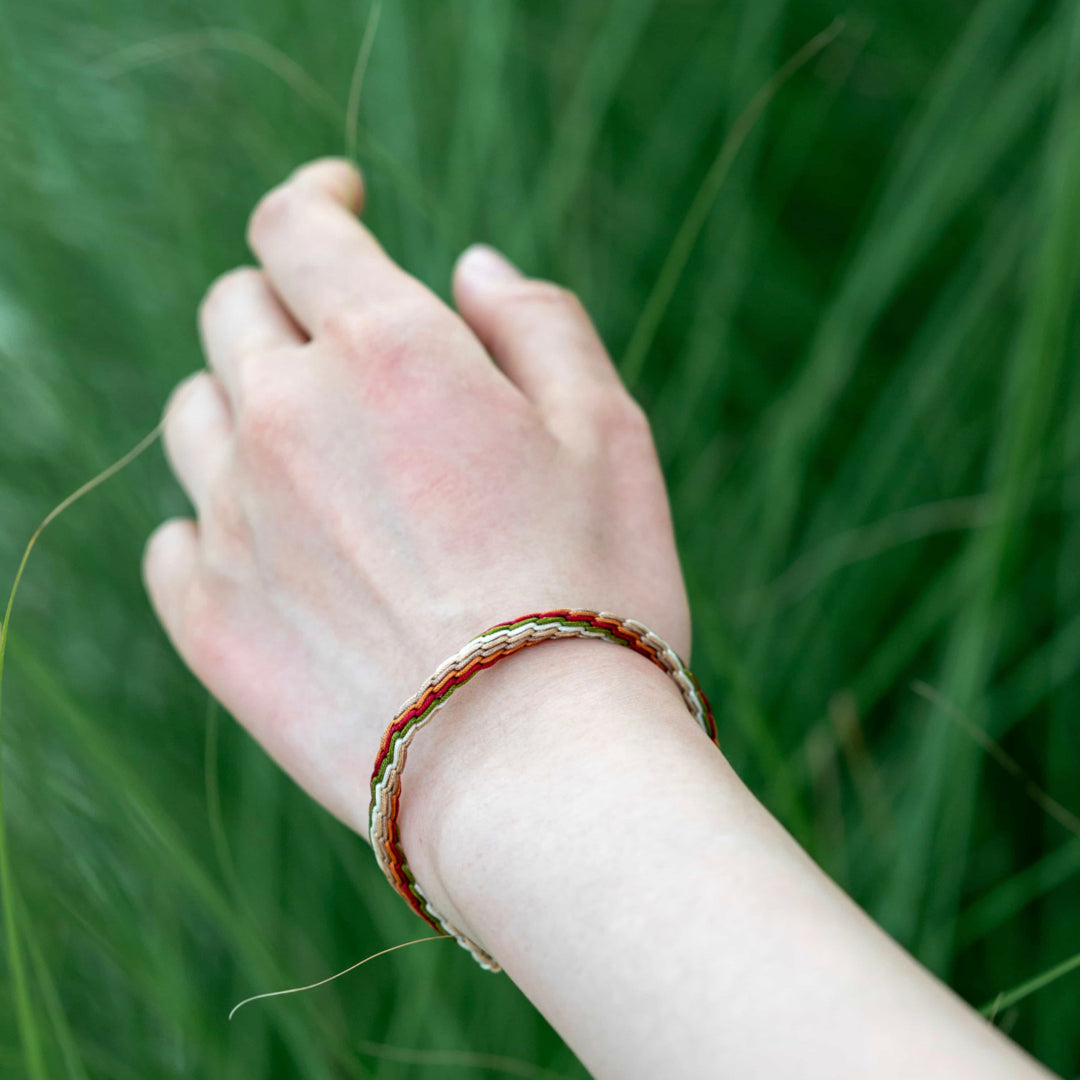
{"points": [[514, 743]]}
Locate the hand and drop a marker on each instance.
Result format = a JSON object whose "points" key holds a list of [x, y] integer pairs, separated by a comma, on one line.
{"points": [[372, 490]]}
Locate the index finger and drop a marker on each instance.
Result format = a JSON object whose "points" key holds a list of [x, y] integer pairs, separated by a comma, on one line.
{"points": [[319, 257]]}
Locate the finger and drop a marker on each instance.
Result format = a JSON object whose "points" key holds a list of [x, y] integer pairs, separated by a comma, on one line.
{"points": [[537, 332], [319, 258], [197, 433], [239, 317], [169, 566]]}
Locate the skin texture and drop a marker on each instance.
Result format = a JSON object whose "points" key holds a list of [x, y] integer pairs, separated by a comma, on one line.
{"points": [[377, 479], [372, 490]]}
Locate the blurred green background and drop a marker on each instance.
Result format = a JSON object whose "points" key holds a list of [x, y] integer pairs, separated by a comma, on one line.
{"points": [[863, 381]]}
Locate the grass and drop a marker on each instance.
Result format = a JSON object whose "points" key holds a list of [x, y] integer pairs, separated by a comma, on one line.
{"points": [[855, 337]]}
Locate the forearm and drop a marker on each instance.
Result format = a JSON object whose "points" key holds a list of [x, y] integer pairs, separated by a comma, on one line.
{"points": [[567, 813], [370, 489]]}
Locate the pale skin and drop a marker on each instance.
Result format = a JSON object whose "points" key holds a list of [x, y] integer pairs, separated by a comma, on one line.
{"points": [[376, 479]]}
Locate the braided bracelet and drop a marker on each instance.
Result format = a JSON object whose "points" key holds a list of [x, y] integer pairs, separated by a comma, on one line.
{"points": [[481, 652]]}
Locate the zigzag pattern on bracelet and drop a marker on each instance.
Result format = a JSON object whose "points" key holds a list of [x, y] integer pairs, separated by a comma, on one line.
{"points": [[481, 652]]}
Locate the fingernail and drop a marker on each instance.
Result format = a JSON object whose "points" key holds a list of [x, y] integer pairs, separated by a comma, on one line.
{"points": [[483, 263]]}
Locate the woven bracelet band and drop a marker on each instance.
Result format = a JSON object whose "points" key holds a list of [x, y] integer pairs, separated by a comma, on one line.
{"points": [[481, 652]]}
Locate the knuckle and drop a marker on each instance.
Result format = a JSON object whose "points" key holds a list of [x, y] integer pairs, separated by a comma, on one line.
{"points": [[266, 415], [267, 378], [272, 418], [353, 329], [633, 417], [618, 415], [383, 334]]}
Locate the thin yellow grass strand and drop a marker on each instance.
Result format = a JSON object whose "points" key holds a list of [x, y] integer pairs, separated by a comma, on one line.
{"points": [[145, 53], [29, 1037], [679, 253], [352, 109], [331, 978]]}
